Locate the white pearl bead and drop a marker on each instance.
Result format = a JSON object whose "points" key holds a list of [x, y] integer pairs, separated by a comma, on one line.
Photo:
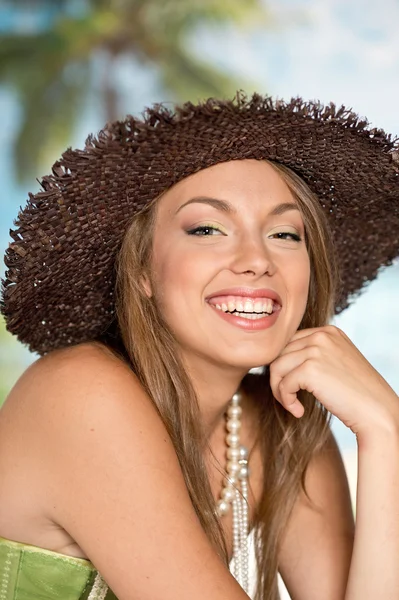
{"points": [[233, 425], [232, 479], [234, 412], [233, 439], [233, 453], [228, 494], [243, 473], [243, 452], [236, 398], [233, 467], [235, 492], [223, 508]]}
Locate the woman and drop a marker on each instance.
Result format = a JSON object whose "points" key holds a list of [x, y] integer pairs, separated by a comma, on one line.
{"points": [[155, 269]]}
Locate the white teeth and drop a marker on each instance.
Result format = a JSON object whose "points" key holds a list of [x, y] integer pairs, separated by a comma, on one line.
{"points": [[258, 306], [250, 315], [248, 306], [231, 306], [268, 306]]}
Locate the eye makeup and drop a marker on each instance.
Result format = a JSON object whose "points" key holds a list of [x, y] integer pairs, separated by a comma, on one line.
{"points": [[206, 229]]}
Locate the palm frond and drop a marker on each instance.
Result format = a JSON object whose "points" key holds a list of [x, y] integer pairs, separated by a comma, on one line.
{"points": [[45, 68], [48, 117]]}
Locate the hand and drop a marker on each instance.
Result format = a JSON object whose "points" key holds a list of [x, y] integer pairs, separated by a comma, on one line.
{"points": [[325, 362]]}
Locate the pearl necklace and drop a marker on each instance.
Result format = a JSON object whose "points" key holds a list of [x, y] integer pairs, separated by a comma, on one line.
{"points": [[237, 476]]}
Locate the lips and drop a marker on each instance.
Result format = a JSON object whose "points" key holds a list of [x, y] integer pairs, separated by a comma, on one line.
{"points": [[250, 309], [248, 321]]}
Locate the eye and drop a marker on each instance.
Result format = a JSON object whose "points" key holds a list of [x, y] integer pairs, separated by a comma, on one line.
{"points": [[205, 230], [282, 235]]}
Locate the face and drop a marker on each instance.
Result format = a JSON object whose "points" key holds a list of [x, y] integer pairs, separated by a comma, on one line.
{"points": [[228, 249]]}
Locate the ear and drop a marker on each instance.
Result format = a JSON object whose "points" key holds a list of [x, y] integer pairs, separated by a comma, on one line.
{"points": [[146, 285]]}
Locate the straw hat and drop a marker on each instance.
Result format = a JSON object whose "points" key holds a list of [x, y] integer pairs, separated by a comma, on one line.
{"points": [[59, 286]]}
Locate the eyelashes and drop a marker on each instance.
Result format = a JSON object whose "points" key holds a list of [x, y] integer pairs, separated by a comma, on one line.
{"points": [[211, 230], [205, 230], [294, 236]]}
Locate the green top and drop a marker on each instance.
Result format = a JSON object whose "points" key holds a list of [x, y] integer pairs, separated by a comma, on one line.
{"points": [[32, 573]]}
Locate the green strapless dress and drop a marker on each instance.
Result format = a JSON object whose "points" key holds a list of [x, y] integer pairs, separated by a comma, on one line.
{"points": [[32, 573]]}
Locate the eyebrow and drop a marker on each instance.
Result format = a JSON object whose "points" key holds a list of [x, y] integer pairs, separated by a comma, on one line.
{"points": [[226, 207], [222, 205]]}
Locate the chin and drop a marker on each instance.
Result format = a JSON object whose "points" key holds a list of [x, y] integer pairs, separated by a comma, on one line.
{"points": [[247, 363]]}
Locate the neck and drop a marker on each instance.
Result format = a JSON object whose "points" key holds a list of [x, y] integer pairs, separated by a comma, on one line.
{"points": [[214, 387]]}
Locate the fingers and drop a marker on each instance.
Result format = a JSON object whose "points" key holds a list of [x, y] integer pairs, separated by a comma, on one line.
{"points": [[321, 333], [287, 378], [318, 337], [299, 364], [293, 406]]}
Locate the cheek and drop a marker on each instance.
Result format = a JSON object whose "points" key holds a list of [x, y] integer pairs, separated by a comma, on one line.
{"points": [[172, 273], [296, 270], [303, 276], [297, 279], [302, 283]]}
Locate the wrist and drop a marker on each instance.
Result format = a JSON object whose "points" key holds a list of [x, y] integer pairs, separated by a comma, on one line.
{"points": [[383, 432]]}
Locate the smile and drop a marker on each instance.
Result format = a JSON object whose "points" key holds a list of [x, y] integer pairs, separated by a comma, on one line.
{"points": [[244, 306], [252, 314]]}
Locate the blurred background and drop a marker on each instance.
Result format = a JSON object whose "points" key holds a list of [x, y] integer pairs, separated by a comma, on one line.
{"points": [[68, 66]]}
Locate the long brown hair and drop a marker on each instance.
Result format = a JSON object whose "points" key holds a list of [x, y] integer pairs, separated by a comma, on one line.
{"points": [[287, 444]]}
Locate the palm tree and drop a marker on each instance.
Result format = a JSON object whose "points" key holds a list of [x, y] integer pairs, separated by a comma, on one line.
{"points": [[53, 70]]}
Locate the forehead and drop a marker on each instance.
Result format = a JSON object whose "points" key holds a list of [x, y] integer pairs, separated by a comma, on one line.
{"points": [[236, 181]]}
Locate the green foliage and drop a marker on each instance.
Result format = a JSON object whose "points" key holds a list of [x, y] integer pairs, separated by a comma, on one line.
{"points": [[14, 358], [54, 71]]}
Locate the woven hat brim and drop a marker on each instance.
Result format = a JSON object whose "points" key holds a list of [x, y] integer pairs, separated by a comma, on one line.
{"points": [[59, 286]]}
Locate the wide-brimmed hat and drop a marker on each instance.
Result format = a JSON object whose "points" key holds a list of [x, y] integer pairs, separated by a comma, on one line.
{"points": [[59, 286]]}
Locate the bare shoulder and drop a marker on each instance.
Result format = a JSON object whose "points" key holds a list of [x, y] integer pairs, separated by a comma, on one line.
{"points": [[49, 416], [72, 365], [84, 377], [112, 480], [63, 398]]}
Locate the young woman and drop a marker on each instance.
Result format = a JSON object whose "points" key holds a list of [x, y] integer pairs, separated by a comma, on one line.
{"points": [[157, 267]]}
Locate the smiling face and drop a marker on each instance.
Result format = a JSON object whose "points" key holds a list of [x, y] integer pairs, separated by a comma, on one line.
{"points": [[228, 250]]}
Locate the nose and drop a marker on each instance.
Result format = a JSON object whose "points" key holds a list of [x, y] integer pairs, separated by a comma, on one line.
{"points": [[252, 257]]}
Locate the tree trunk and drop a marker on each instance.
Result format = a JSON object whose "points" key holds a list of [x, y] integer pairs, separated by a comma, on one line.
{"points": [[110, 97]]}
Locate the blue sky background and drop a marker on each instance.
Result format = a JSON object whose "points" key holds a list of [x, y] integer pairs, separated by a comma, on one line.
{"points": [[345, 51]]}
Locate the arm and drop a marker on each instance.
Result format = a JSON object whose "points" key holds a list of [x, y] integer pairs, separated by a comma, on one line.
{"points": [[316, 550], [326, 363], [374, 570], [112, 480]]}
